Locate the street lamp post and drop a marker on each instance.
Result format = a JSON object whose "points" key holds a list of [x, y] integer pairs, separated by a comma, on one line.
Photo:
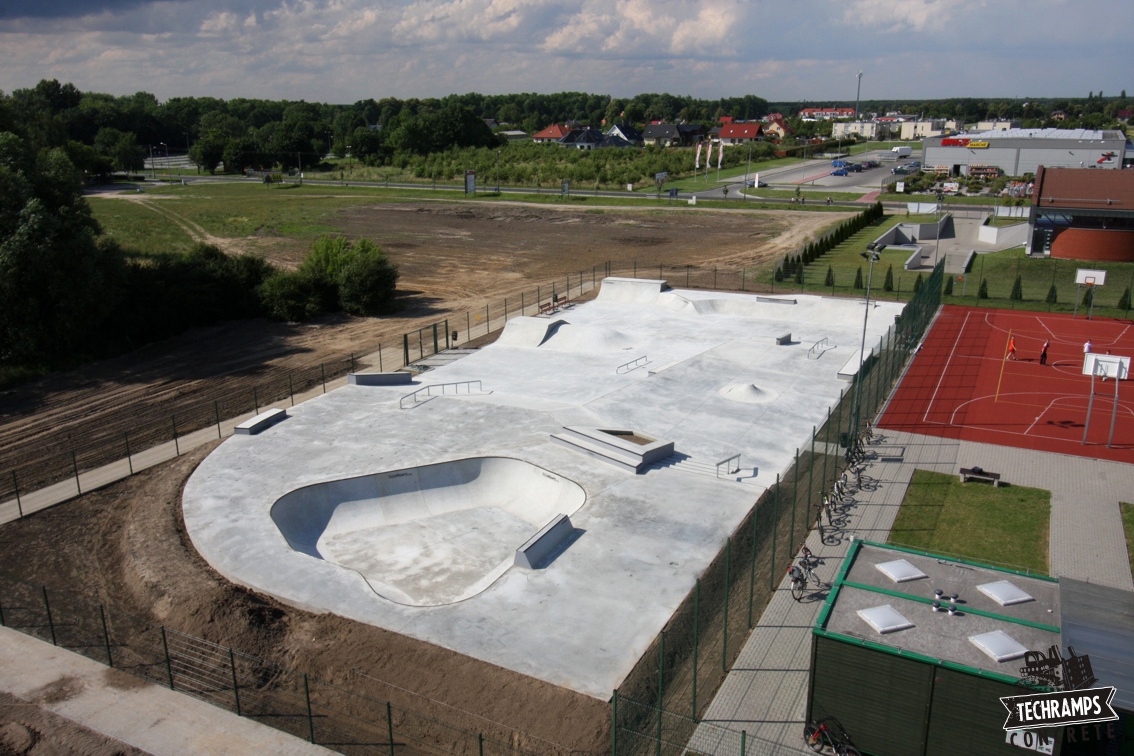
{"points": [[166, 146], [748, 172], [153, 171], [873, 257], [937, 215]]}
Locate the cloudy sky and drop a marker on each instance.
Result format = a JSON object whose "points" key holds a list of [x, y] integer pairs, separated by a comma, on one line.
{"points": [[345, 50]]}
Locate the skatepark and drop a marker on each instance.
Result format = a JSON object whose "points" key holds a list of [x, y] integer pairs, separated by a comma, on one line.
{"points": [[545, 503]]}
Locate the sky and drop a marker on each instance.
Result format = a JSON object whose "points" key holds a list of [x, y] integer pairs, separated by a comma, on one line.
{"points": [[342, 51]]}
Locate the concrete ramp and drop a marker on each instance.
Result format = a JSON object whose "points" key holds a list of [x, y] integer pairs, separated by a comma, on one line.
{"points": [[631, 290], [525, 331], [588, 339], [431, 535]]}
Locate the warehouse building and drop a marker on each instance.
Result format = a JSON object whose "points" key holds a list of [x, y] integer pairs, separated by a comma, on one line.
{"points": [[1014, 152]]}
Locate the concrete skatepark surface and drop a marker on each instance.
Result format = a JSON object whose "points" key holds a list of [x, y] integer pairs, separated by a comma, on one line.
{"points": [[707, 375]]}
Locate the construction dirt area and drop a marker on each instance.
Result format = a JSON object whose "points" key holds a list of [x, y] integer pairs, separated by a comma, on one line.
{"points": [[125, 545]]}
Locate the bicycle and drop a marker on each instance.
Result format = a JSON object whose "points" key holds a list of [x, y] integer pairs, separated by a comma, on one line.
{"points": [[829, 733], [804, 573]]}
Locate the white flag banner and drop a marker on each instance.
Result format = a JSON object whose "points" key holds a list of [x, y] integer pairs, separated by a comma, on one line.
{"points": [[720, 155], [697, 163], [709, 155]]}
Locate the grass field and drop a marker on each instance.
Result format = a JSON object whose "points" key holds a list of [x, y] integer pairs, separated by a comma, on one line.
{"points": [[1004, 526]]}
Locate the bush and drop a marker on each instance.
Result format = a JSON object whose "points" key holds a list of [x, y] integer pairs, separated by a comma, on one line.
{"points": [[367, 282], [1124, 300], [291, 296], [948, 285], [338, 275], [982, 292], [1052, 295], [1017, 294]]}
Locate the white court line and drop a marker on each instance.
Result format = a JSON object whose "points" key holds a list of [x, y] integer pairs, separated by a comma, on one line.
{"points": [[945, 370], [1124, 406]]}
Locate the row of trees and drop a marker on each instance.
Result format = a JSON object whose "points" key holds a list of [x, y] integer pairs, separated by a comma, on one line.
{"points": [[68, 294], [793, 265]]}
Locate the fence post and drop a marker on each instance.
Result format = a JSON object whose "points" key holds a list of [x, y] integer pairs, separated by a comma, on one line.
{"points": [[176, 443], [743, 744], [811, 468], [775, 521], [752, 566], [379, 356], [235, 687], [724, 636], [468, 330], [742, 272], [521, 302], [795, 501], [216, 408], [75, 467], [105, 637], [2, 622], [50, 621], [613, 725], [323, 372], [168, 665], [390, 726], [310, 717], [405, 347], [256, 400], [19, 504], [696, 640], [661, 685], [290, 389], [435, 347], [480, 743], [352, 353]]}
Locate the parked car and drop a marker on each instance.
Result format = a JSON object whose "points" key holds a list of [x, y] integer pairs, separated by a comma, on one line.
{"points": [[761, 184], [854, 167], [839, 172], [899, 171]]}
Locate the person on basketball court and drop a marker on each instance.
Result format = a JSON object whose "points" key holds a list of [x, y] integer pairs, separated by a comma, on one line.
{"points": [[1012, 348], [1087, 347], [1043, 352]]}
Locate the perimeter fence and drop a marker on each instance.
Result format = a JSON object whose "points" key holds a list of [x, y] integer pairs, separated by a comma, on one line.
{"points": [[659, 704], [302, 705], [134, 436]]}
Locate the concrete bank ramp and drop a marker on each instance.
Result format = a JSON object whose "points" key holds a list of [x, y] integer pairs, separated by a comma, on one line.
{"points": [[589, 339], [631, 290], [430, 535], [526, 331]]}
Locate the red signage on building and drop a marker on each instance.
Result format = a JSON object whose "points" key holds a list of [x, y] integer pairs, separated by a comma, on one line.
{"points": [[955, 142]]}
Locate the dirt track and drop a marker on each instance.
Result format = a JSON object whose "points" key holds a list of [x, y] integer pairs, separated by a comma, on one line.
{"points": [[126, 543]]}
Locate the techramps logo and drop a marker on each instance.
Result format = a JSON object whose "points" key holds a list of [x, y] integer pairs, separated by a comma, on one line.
{"points": [[1072, 700]]}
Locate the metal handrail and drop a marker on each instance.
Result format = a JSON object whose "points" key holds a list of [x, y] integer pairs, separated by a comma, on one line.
{"points": [[730, 470], [816, 347], [428, 391], [632, 365]]}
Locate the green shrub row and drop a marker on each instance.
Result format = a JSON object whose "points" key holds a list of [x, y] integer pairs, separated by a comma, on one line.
{"points": [[792, 265]]}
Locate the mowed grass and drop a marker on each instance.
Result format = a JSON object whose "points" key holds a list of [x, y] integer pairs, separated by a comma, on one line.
{"points": [[138, 228], [1003, 526], [1128, 527]]}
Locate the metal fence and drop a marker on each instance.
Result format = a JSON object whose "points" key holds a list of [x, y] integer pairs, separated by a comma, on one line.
{"points": [[300, 704], [158, 433], [660, 702]]}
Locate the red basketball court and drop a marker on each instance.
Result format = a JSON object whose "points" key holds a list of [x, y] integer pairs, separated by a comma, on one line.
{"points": [[962, 385]]}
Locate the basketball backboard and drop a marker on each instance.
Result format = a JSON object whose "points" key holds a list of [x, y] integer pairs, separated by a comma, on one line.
{"points": [[1106, 366], [1092, 277]]}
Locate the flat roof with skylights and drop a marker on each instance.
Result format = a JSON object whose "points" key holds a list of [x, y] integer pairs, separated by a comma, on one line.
{"points": [[946, 610]]}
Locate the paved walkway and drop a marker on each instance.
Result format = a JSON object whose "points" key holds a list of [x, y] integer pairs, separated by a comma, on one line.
{"points": [[151, 718], [765, 694]]}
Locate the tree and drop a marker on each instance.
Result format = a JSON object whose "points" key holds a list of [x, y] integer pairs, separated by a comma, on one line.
{"points": [[368, 281], [56, 282], [830, 280], [121, 148], [1124, 300], [1052, 295], [948, 286], [858, 278], [982, 292], [917, 284], [888, 285], [1017, 294], [799, 274]]}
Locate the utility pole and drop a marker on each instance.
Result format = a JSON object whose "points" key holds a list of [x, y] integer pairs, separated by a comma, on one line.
{"points": [[857, 95]]}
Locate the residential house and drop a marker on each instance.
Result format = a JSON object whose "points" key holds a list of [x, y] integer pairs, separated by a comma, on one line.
{"points": [[629, 133], [997, 125], [777, 130], [877, 130], [552, 133], [773, 117], [825, 114], [741, 133], [691, 133], [664, 134], [582, 139]]}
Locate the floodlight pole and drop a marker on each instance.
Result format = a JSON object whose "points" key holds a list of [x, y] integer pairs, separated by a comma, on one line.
{"points": [[857, 94], [873, 257], [748, 172]]}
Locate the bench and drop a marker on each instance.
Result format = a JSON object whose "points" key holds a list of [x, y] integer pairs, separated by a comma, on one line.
{"points": [[978, 474], [548, 307], [261, 422], [784, 340]]}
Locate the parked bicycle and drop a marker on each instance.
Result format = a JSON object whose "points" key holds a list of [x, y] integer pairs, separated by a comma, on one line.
{"points": [[829, 733], [803, 575]]}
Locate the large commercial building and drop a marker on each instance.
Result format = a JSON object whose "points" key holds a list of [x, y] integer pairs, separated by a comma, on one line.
{"points": [[1014, 152]]}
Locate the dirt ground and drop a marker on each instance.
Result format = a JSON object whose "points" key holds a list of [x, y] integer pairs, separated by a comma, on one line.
{"points": [[126, 543]]}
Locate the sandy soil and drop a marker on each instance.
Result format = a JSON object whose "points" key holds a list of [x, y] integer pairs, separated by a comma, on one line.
{"points": [[26, 728], [127, 545]]}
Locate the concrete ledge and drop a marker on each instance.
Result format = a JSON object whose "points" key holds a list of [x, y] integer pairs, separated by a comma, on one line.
{"points": [[397, 378], [538, 549], [261, 422], [784, 340]]}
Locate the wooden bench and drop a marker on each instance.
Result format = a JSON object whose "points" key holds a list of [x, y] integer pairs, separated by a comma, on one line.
{"points": [[991, 477], [784, 340], [548, 307]]}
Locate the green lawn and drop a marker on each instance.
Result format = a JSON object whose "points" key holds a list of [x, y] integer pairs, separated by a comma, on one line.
{"points": [[1003, 526], [1128, 526]]}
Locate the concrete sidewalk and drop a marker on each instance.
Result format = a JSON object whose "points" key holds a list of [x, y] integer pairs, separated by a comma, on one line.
{"points": [[130, 710], [765, 694]]}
